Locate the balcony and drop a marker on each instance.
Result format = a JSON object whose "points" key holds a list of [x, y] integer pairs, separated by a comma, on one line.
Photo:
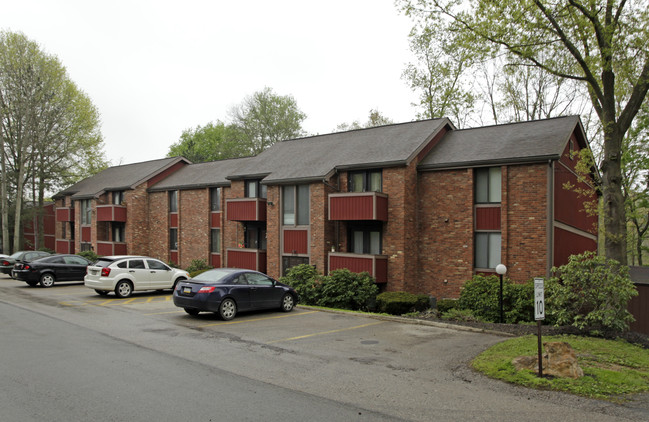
{"points": [[376, 265], [64, 215], [246, 209], [358, 206], [64, 246], [111, 248], [112, 213], [249, 259]]}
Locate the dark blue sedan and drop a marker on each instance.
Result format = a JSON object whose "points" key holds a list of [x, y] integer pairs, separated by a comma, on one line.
{"points": [[227, 291]]}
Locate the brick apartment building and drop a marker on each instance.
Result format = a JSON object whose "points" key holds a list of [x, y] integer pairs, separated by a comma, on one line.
{"points": [[422, 206]]}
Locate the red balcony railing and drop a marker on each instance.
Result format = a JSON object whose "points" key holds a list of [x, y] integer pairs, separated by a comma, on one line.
{"points": [[116, 213], [111, 248], [64, 214], [250, 259], [350, 206], [246, 209], [64, 246], [376, 265]]}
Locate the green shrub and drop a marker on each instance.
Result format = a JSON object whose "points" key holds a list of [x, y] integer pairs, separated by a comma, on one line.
{"points": [[306, 281], [482, 296], [456, 314], [399, 303], [344, 289], [197, 265], [197, 272], [89, 255], [445, 305], [590, 292]]}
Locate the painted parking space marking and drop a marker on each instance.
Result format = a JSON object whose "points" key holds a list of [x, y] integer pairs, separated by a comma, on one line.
{"points": [[117, 302], [243, 321], [326, 332]]}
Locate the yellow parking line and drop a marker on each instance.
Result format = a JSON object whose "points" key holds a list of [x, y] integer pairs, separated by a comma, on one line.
{"points": [[162, 313], [256, 319], [325, 332]]}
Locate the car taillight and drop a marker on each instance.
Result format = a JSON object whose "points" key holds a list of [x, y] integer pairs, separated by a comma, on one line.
{"points": [[26, 267], [105, 272], [5, 262], [207, 289]]}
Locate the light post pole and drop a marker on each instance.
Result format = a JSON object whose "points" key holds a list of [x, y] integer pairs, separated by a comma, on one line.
{"points": [[501, 270]]}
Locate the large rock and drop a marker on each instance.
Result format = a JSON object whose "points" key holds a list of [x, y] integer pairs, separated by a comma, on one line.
{"points": [[559, 360]]}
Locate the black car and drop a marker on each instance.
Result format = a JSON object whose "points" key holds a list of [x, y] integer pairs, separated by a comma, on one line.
{"points": [[227, 291], [7, 263], [50, 269]]}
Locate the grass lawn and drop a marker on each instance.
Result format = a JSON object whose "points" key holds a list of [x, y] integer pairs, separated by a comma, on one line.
{"points": [[613, 369]]}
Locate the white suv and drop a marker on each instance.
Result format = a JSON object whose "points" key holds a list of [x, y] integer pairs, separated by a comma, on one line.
{"points": [[126, 274]]}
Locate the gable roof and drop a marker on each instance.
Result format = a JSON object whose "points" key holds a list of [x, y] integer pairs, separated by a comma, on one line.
{"points": [[201, 175], [533, 141], [316, 157], [119, 178]]}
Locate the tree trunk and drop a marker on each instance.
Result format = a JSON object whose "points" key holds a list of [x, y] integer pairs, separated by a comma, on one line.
{"points": [[615, 241]]}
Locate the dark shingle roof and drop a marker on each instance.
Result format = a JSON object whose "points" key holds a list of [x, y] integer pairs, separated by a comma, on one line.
{"points": [[538, 140], [201, 175], [119, 178], [314, 158]]}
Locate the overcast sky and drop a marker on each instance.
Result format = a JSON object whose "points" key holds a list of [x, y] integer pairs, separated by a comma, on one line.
{"points": [[155, 68]]}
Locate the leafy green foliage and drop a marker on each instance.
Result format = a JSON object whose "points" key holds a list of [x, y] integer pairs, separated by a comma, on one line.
{"points": [[445, 305], [341, 289], [347, 290], [482, 296], [193, 274], [590, 292], [212, 142], [456, 314], [399, 303], [89, 255], [198, 265]]}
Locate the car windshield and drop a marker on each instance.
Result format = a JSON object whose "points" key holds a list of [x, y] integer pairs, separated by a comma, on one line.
{"points": [[103, 262], [17, 254], [212, 276]]}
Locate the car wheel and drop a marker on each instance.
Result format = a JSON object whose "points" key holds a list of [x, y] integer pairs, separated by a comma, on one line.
{"points": [[191, 311], [228, 309], [47, 280], [32, 283], [101, 292], [288, 302], [123, 289], [176, 283]]}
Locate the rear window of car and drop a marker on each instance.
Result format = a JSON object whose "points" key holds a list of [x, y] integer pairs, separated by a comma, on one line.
{"points": [[103, 262], [212, 276]]}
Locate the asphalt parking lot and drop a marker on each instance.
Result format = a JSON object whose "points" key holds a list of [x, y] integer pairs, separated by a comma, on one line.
{"points": [[392, 366]]}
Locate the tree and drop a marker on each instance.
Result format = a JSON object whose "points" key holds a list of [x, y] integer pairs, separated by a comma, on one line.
{"points": [[265, 118], [49, 129], [374, 119], [601, 44], [438, 75], [212, 142]]}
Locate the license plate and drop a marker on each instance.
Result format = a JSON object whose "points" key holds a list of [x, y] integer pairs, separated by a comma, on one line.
{"points": [[187, 290]]}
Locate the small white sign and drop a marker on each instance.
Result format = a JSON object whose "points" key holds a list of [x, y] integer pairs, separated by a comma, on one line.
{"points": [[539, 300]]}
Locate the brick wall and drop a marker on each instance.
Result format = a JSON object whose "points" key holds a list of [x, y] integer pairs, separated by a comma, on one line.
{"points": [[322, 231], [525, 240], [232, 231], [138, 225], [193, 226], [445, 232], [273, 232], [158, 213]]}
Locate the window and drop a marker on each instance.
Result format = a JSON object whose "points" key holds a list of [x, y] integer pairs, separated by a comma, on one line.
{"points": [[156, 265], [173, 201], [295, 205], [258, 279], [118, 232], [487, 185], [254, 189], [215, 199], [255, 235], [291, 261], [86, 247], [366, 181], [487, 250], [215, 241], [137, 264], [365, 239], [86, 211], [173, 239], [118, 197]]}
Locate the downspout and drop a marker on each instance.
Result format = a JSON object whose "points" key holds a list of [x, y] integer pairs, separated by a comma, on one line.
{"points": [[550, 222]]}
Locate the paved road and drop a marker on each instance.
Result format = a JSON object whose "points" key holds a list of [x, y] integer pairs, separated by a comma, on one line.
{"points": [[335, 366]]}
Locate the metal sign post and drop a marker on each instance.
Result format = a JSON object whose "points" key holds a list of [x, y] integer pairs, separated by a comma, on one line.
{"points": [[539, 315]]}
